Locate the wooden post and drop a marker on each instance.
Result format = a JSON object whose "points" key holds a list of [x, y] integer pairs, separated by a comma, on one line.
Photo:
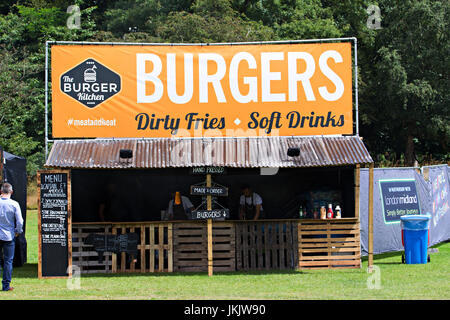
{"points": [[209, 225], [370, 264], [357, 175], [426, 174], [114, 255], [357, 190]]}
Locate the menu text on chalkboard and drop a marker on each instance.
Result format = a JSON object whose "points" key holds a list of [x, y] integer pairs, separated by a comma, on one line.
{"points": [[54, 223]]}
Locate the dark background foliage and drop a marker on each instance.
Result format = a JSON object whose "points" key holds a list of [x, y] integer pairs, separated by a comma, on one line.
{"points": [[403, 66]]}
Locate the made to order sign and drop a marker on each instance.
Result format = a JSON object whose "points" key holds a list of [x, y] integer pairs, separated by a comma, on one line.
{"points": [[399, 198], [186, 91]]}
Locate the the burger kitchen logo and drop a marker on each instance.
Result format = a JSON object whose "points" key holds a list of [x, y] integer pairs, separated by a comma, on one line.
{"points": [[90, 83]]}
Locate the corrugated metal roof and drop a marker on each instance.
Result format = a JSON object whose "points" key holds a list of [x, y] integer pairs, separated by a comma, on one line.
{"points": [[229, 152]]}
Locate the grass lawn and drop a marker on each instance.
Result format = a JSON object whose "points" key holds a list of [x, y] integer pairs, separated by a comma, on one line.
{"points": [[398, 281]]}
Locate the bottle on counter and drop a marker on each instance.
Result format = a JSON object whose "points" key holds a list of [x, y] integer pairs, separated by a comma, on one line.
{"points": [[316, 213], [323, 213], [338, 212], [330, 214], [300, 213]]}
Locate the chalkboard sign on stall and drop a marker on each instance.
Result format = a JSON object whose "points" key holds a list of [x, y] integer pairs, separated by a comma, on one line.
{"points": [[54, 224]]}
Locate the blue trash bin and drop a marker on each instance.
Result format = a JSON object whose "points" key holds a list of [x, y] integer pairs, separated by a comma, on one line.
{"points": [[415, 237]]}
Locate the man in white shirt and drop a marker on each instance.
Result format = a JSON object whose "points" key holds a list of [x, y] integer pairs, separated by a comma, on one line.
{"points": [[180, 207], [250, 204], [11, 224]]}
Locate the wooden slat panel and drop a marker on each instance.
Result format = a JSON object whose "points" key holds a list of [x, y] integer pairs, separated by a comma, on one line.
{"points": [[355, 231], [91, 264], [152, 250], [267, 245], [123, 254], [281, 245], [190, 250], [170, 249], [305, 240], [252, 247], [274, 246], [160, 249], [142, 250], [259, 246], [245, 246], [238, 246], [327, 263], [329, 251], [112, 263]]}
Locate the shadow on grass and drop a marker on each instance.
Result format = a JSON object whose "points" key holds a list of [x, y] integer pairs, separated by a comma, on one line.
{"points": [[397, 254], [28, 270], [192, 274]]}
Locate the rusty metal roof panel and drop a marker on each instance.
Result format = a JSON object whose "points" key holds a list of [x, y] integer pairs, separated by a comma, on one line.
{"points": [[249, 152]]}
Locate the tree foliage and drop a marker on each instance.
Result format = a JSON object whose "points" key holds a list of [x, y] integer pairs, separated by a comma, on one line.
{"points": [[403, 66]]}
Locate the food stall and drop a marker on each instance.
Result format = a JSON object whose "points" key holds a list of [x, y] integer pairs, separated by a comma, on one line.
{"points": [[132, 124], [282, 240]]}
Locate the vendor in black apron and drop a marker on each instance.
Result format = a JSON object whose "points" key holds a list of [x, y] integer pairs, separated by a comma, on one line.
{"points": [[250, 205], [180, 207]]}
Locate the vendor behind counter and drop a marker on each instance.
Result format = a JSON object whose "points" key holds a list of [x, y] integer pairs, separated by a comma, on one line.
{"points": [[180, 207]]}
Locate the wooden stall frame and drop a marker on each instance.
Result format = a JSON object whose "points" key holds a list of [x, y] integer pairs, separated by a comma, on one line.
{"points": [[69, 223], [209, 228]]}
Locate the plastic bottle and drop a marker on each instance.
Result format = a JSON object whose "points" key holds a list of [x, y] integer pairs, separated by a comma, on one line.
{"points": [[323, 212], [330, 214], [338, 212], [300, 212]]}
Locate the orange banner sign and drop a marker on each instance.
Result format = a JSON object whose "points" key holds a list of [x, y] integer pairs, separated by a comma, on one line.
{"points": [[135, 91]]}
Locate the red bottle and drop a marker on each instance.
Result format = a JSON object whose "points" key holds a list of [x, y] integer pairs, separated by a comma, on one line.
{"points": [[330, 214]]}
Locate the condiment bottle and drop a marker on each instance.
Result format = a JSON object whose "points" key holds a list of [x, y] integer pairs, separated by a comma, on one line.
{"points": [[300, 212], [338, 212], [323, 212], [330, 212]]}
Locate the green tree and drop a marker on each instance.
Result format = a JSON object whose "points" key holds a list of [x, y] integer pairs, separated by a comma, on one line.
{"points": [[212, 21], [22, 61], [408, 88]]}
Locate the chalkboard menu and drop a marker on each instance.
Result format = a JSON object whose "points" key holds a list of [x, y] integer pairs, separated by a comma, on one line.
{"points": [[54, 224]]}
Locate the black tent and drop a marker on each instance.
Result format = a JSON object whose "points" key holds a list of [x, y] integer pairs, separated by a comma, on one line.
{"points": [[14, 171]]}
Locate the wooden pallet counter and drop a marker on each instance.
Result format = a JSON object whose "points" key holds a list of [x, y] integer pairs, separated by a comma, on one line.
{"points": [[181, 246], [154, 248], [191, 249], [333, 243], [266, 244]]}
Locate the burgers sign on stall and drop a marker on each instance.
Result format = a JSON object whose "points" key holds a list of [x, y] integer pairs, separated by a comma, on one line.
{"points": [[180, 91]]}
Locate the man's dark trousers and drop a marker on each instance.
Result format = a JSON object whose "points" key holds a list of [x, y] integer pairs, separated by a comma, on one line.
{"points": [[6, 262]]}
